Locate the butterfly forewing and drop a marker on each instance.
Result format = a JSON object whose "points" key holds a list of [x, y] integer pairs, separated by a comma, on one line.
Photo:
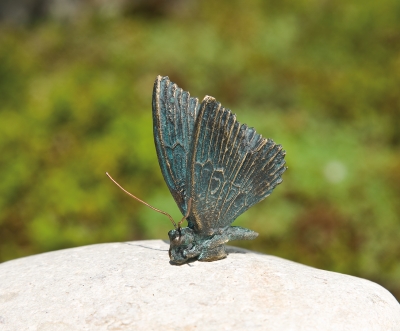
{"points": [[174, 115]]}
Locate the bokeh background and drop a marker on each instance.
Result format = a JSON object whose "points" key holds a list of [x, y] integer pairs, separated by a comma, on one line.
{"points": [[320, 77]]}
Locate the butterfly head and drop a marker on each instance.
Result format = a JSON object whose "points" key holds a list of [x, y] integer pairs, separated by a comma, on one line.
{"points": [[181, 239]]}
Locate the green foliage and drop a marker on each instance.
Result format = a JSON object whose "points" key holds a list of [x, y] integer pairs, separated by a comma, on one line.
{"points": [[321, 78]]}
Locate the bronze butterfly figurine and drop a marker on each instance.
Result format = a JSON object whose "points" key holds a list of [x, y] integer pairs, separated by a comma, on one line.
{"points": [[214, 167]]}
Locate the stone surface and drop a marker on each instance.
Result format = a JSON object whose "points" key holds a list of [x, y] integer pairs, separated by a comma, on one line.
{"points": [[132, 286]]}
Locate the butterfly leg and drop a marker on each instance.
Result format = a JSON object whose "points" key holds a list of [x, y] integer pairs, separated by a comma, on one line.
{"points": [[210, 249], [214, 249], [190, 254], [213, 254]]}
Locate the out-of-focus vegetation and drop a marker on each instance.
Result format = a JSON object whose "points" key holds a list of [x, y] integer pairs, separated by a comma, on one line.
{"points": [[320, 77]]}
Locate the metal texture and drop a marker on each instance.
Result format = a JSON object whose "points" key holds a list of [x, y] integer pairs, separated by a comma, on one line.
{"points": [[221, 166]]}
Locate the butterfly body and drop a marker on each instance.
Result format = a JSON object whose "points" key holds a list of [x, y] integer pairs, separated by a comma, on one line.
{"points": [[214, 167], [186, 244]]}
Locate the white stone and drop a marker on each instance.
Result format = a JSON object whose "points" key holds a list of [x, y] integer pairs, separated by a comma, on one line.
{"points": [[132, 286]]}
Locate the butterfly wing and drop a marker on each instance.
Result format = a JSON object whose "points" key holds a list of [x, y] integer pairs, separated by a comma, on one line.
{"points": [[174, 115], [231, 168]]}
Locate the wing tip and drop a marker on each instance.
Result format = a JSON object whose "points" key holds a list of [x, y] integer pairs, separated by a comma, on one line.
{"points": [[208, 99], [159, 79]]}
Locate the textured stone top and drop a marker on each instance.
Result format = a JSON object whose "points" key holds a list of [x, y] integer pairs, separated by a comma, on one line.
{"points": [[132, 286]]}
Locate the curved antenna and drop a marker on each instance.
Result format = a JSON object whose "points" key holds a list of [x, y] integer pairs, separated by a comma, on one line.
{"points": [[187, 213], [145, 203]]}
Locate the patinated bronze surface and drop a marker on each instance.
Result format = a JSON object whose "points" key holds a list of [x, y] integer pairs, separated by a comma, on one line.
{"points": [[215, 168]]}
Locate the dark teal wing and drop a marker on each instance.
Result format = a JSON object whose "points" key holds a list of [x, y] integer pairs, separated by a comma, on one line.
{"points": [[174, 116], [231, 168]]}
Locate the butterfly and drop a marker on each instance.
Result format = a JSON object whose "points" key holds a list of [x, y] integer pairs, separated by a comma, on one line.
{"points": [[214, 167]]}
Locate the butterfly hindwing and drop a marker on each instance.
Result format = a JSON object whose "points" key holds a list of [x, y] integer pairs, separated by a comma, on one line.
{"points": [[174, 116], [231, 168]]}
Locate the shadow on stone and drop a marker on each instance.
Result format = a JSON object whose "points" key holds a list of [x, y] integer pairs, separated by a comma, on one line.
{"points": [[182, 264], [236, 250], [154, 249]]}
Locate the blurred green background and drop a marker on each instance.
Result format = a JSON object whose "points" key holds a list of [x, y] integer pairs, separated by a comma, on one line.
{"points": [[320, 77]]}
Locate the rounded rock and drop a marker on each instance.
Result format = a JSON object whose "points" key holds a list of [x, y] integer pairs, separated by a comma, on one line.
{"points": [[132, 286]]}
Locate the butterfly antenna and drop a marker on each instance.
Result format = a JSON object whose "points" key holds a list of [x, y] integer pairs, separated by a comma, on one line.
{"points": [[187, 213], [145, 203]]}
